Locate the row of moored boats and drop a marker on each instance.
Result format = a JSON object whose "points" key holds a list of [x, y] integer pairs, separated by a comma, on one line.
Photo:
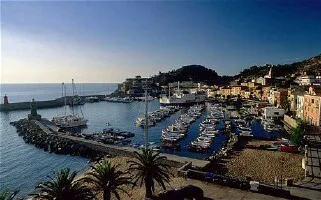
{"points": [[178, 130], [156, 116], [208, 130]]}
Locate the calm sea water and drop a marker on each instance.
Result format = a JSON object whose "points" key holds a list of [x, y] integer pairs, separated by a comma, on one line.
{"points": [[22, 166], [50, 91]]}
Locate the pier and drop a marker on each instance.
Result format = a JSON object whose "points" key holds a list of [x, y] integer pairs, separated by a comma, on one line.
{"points": [[174, 160]]}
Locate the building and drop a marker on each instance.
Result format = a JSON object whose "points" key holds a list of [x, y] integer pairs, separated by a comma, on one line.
{"points": [[225, 91], [272, 113], [237, 90], [300, 107], [312, 106], [308, 80], [265, 93], [135, 86]]}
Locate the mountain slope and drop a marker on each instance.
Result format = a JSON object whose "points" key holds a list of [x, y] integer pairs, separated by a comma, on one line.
{"points": [[309, 66]]}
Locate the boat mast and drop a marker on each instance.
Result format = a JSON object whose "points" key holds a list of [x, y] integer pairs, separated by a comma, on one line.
{"points": [[146, 121], [65, 98], [73, 96]]}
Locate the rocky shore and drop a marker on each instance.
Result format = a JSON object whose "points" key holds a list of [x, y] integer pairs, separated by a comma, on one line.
{"points": [[33, 134]]}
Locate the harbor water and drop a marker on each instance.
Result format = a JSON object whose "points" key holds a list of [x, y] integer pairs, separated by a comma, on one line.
{"points": [[23, 165]]}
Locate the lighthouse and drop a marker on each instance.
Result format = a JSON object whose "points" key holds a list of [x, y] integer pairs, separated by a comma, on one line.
{"points": [[5, 100]]}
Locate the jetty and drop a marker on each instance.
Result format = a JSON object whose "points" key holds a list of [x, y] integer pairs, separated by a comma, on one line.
{"points": [[50, 129]]}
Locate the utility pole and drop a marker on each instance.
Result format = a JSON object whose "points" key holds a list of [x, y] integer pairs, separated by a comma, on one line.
{"points": [[146, 121]]}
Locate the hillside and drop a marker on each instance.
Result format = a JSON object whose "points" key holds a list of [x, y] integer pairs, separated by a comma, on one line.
{"points": [[309, 66], [195, 73]]}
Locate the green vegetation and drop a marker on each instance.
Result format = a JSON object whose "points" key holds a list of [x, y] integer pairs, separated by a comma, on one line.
{"points": [[5, 194], [298, 132], [106, 178], [310, 66], [196, 73], [63, 187], [149, 167]]}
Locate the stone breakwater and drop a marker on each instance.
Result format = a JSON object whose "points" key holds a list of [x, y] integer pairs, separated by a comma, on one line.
{"points": [[33, 134]]}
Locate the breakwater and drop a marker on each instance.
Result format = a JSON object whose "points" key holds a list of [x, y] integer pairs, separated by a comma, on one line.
{"points": [[26, 105], [59, 102], [35, 135]]}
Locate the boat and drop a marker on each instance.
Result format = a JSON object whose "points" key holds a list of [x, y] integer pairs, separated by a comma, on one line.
{"points": [[69, 121], [180, 98]]}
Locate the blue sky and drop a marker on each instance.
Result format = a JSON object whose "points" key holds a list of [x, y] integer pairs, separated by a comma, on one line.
{"points": [[100, 41]]}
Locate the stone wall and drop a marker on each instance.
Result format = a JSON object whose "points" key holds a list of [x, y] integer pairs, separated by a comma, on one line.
{"points": [[289, 121]]}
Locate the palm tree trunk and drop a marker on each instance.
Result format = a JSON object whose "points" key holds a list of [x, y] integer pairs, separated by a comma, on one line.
{"points": [[148, 188], [107, 195]]}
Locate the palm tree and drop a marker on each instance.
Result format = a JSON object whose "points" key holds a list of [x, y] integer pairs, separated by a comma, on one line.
{"points": [[5, 195], [105, 177], [149, 167], [63, 187]]}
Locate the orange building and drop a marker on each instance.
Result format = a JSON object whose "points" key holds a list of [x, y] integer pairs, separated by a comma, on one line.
{"points": [[237, 90], [265, 93], [281, 98], [312, 107], [225, 91]]}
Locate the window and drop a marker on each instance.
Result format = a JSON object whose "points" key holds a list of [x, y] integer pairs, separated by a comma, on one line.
{"points": [[276, 113], [312, 100]]}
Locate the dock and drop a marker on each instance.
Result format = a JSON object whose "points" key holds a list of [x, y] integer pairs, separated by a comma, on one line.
{"points": [[49, 128]]}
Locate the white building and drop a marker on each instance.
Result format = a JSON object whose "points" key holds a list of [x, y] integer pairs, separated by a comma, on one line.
{"points": [[308, 80], [273, 113], [300, 106]]}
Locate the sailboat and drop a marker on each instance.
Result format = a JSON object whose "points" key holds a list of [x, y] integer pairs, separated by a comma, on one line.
{"points": [[69, 121]]}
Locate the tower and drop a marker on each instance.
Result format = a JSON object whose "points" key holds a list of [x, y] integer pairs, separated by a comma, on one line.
{"points": [[33, 111], [5, 100]]}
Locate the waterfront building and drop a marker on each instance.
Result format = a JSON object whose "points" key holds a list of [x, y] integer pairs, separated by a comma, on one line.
{"points": [[225, 91], [237, 90], [135, 86], [272, 113], [312, 106]]}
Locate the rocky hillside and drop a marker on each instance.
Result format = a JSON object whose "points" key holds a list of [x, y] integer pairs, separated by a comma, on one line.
{"points": [[309, 66]]}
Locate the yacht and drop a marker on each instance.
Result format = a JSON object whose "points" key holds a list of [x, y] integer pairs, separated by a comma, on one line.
{"points": [[69, 121], [180, 98]]}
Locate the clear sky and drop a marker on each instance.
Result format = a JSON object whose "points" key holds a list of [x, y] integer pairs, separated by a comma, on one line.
{"points": [[108, 41]]}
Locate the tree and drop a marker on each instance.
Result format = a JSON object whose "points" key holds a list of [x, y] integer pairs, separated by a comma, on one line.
{"points": [[63, 187], [149, 167], [298, 132], [6, 195], [105, 177]]}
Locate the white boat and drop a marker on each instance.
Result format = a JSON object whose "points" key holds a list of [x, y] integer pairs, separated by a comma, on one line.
{"points": [[181, 99], [69, 121]]}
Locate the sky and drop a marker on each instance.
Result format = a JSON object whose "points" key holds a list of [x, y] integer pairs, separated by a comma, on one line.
{"points": [[106, 42]]}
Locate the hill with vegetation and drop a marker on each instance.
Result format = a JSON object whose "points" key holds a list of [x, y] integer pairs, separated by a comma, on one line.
{"points": [[196, 73], [309, 66]]}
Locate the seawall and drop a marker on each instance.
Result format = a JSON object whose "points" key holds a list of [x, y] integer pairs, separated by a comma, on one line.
{"points": [[26, 105]]}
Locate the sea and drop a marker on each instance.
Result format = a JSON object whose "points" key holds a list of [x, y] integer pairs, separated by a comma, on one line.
{"points": [[23, 166]]}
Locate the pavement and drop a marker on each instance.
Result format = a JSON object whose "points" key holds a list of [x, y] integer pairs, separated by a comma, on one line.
{"points": [[310, 187]]}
